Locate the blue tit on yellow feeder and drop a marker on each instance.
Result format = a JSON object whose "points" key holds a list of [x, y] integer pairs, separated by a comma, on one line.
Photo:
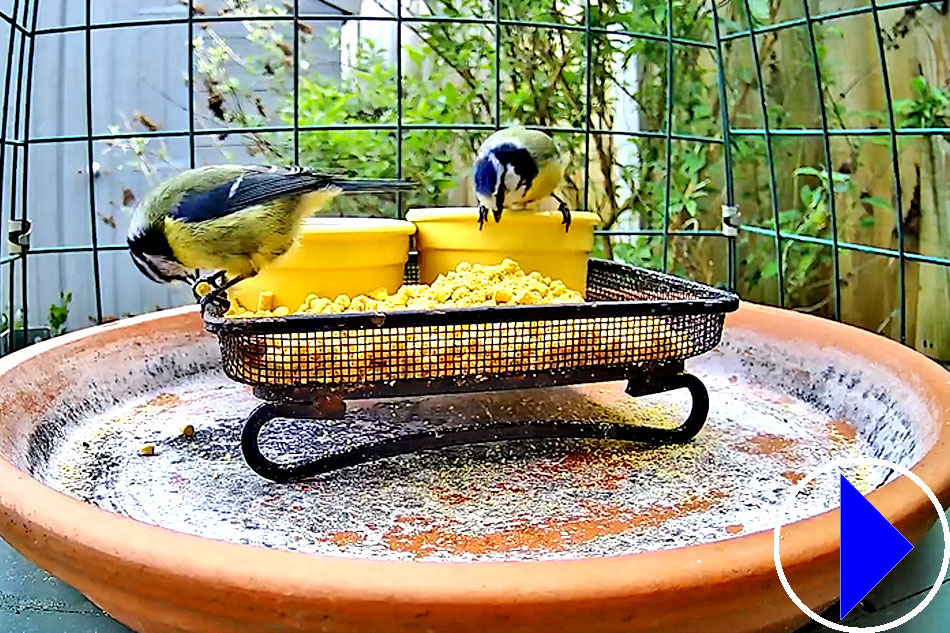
{"points": [[232, 219], [516, 167]]}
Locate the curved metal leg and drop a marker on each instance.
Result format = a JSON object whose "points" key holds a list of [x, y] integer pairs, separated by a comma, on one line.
{"points": [[474, 434], [697, 415], [250, 437]]}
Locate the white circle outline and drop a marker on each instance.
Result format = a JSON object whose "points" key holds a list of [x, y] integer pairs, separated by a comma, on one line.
{"points": [[856, 461]]}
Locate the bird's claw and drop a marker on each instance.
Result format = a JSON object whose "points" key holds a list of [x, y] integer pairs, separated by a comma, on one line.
{"points": [[482, 216], [214, 280], [216, 299], [216, 295], [565, 214]]}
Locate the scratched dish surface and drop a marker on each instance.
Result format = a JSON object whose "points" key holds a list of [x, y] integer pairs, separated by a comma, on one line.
{"points": [[775, 414]]}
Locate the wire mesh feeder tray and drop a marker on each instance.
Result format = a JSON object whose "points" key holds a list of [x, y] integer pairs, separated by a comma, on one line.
{"points": [[637, 325]]}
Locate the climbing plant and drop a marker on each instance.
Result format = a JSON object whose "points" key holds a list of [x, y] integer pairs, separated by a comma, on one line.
{"points": [[636, 183]]}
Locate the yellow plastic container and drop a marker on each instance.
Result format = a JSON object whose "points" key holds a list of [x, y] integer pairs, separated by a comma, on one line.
{"points": [[333, 256], [445, 237]]}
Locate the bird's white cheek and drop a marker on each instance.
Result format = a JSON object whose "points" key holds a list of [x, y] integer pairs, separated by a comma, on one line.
{"points": [[486, 201], [511, 180], [513, 194]]}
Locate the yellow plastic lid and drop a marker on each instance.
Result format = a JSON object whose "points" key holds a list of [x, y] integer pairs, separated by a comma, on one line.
{"points": [[467, 214], [357, 225]]}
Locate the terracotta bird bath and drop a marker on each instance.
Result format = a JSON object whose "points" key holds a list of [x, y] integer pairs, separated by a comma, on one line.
{"points": [[520, 536]]}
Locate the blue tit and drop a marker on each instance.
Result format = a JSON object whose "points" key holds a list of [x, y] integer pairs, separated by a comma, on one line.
{"points": [[514, 167], [231, 219]]}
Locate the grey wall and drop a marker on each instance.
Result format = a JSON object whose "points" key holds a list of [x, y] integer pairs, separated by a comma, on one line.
{"points": [[133, 69]]}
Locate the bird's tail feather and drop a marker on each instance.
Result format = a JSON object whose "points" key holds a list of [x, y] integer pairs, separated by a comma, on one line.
{"points": [[357, 185]]}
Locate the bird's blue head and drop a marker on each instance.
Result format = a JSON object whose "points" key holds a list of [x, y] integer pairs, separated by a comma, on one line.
{"points": [[502, 170], [486, 175]]}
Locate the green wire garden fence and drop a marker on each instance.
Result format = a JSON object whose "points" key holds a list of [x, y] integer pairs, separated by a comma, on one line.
{"points": [[795, 152]]}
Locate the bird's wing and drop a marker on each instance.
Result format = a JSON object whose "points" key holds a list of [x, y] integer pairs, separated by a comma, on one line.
{"points": [[260, 185], [538, 142], [541, 146]]}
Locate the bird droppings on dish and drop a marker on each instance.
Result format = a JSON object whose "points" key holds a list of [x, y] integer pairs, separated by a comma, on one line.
{"points": [[841, 431], [793, 476], [592, 521], [775, 415], [347, 537], [769, 444]]}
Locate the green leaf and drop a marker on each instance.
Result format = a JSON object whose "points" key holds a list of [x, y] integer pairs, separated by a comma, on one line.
{"points": [[810, 171], [805, 194], [838, 176], [451, 94], [867, 221], [788, 216], [59, 312], [877, 201], [770, 269], [416, 55], [832, 31]]}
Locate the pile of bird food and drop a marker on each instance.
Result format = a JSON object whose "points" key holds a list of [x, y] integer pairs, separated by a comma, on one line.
{"points": [[427, 352], [468, 286]]}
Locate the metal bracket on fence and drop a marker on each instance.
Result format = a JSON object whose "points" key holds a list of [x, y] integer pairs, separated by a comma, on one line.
{"points": [[731, 220], [18, 234]]}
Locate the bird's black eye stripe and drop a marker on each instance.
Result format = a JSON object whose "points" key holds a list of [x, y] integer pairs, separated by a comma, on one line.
{"points": [[142, 269], [147, 267]]}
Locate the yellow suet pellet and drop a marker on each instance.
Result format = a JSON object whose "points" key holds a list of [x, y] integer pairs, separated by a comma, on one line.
{"points": [[502, 295], [148, 449], [265, 301], [319, 305], [202, 289], [188, 430]]}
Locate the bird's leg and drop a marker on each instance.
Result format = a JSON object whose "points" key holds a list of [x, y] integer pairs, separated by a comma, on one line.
{"points": [[214, 280], [482, 216], [499, 201], [218, 295], [565, 213]]}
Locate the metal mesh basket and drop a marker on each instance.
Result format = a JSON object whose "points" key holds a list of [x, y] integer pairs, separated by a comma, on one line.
{"points": [[634, 319]]}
